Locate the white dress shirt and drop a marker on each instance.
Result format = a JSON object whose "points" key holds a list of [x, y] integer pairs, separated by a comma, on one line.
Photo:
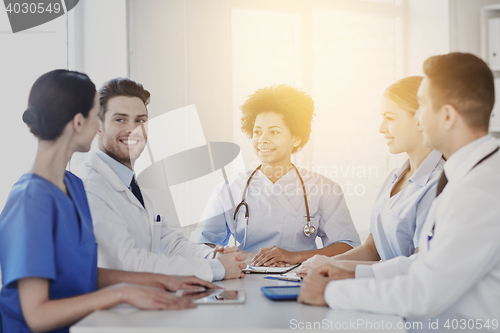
{"points": [[128, 235], [277, 212], [456, 274]]}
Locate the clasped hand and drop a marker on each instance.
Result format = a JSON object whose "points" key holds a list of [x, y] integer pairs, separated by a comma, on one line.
{"points": [[275, 257]]}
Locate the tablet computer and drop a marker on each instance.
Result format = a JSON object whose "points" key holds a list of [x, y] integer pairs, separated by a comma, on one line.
{"points": [[281, 292], [213, 296]]}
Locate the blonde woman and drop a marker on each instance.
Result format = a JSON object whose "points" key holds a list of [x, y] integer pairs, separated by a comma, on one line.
{"points": [[406, 195]]}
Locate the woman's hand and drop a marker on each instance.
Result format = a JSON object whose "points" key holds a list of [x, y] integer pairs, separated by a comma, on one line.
{"points": [[150, 298], [110, 277], [313, 263], [44, 314], [174, 283], [274, 256]]}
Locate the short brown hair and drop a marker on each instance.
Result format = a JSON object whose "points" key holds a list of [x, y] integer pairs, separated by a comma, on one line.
{"points": [[120, 87], [464, 81], [296, 106]]}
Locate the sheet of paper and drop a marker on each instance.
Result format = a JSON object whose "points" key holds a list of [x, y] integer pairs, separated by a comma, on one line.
{"points": [[270, 270]]}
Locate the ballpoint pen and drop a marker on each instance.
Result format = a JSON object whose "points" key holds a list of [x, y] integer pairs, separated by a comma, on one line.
{"points": [[284, 278]]}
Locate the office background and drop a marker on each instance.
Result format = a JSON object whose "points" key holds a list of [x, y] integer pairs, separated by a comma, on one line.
{"points": [[214, 53]]}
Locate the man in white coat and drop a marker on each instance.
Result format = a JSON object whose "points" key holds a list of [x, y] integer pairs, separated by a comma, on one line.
{"points": [[454, 281], [129, 235]]}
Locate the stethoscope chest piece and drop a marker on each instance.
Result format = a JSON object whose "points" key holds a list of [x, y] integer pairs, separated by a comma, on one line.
{"points": [[309, 230]]}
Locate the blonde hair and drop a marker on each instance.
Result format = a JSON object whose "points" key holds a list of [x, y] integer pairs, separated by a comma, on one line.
{"points": [[404, 93]]}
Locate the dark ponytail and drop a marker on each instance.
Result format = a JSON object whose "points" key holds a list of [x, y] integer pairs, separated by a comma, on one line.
{"points": [[55, 98]]}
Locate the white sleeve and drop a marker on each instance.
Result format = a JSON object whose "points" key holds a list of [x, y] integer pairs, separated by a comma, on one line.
{"points": [[336, 223], [173, 243], [385, 269], [436, 279], [117, 250], [393, 267], [363, 272]]}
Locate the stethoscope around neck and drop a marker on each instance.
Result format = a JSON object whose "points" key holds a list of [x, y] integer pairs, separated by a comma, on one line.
{"points": [[309, 230]]}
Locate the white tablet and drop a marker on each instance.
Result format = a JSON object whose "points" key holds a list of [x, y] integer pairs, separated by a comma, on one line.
{"points": [[214, 296]]}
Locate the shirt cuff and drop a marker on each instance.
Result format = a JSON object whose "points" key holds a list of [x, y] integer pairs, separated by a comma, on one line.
{"points": [[217, 269], [364, 271]]}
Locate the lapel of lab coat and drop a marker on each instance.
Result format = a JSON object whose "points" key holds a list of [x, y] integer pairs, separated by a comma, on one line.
{"points": [[102, 168], [466, 166], [147, 211]]}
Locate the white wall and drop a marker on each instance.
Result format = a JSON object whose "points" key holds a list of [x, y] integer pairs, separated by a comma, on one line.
{"points": [[428, 32], [465, 31], [24, 57], [100, 39], [98, 45], [180, 51]]}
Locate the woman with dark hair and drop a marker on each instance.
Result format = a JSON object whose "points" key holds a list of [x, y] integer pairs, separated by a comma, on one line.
{"points": [[48, 252], [286, 207], [404, 200]]}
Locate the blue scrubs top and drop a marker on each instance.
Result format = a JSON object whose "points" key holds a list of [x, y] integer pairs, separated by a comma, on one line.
{"points": [[44, 233], [396, 222]]}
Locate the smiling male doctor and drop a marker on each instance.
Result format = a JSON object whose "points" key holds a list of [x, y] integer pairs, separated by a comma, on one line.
{"points": [[125, 226], [454, 280]]}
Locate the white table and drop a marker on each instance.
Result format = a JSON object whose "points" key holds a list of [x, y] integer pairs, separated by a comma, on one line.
{"points": [[257, 314]]}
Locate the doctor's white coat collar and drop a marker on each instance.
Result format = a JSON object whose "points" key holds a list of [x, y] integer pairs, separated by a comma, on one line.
{"points": [[107, 172], [464, 159]]}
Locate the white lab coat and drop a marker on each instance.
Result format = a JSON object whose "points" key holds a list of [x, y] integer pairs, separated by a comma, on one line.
{"points": [[455, 275], [277, 212], [127, 235]]}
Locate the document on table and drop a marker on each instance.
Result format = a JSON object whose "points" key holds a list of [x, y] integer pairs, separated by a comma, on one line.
{"points": [[269, 270]]}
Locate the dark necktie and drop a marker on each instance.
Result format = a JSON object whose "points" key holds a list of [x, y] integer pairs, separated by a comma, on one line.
{"points": [[442, 183], [443, 180], [134, 187]]}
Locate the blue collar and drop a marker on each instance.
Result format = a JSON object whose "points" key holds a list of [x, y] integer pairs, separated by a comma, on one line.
{"points": [[424, 171], [124, 173]]}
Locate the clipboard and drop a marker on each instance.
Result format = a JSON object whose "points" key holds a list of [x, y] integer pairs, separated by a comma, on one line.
{"points": [[268, 270]]}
